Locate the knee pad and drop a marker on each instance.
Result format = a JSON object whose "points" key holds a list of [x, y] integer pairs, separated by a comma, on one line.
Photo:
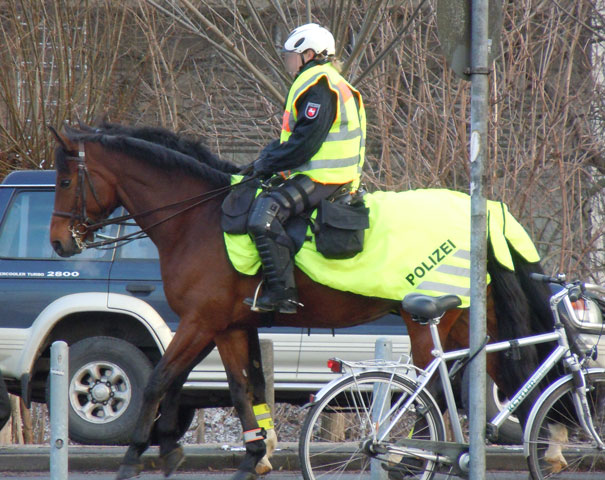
{"points": [[263, 218], [293, 195]]}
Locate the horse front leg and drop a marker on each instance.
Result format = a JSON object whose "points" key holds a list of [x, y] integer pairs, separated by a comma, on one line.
{"points": [[167, 425], [241, 358], [184, 348]]}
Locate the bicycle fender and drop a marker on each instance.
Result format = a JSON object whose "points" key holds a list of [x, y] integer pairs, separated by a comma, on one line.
{"points": [[328, 386], [322, 391], [532, 414]]}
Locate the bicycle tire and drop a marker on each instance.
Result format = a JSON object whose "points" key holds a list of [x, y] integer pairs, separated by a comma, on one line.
{"points": [[574, 452], [324, 453]]}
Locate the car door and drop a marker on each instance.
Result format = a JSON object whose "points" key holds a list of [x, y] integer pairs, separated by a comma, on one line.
{"points": [[353, 343], [135, 272], [32, 275]]}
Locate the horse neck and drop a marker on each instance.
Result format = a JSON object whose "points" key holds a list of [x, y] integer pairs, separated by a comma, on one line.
{"points": [[141, 187]]}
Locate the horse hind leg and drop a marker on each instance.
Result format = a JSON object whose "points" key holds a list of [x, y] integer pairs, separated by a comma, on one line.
{"points": [[557, 436], [257, 383]]}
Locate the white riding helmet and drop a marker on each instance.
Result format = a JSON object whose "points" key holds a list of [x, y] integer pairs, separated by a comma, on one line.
{"points": [[310, 36]]}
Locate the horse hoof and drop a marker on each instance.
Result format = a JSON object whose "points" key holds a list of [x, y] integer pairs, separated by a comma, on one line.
{"points": [[241, 475], [264, 466], [172, 460], [129, 471]]}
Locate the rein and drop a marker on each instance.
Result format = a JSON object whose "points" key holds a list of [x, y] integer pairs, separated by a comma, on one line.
{"points": [[80, 223]]}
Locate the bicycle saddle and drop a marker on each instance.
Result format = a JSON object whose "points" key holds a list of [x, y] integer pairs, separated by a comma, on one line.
{"points": [[426, 307]]}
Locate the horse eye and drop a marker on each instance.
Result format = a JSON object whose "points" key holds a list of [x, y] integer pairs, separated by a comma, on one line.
{"points": [[65, 183]]}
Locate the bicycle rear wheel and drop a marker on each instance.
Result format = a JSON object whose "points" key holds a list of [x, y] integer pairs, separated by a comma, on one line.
{"points": [[336, 426], [558, 446]]}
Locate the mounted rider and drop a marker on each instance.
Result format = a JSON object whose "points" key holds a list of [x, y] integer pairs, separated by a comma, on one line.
{"points": [[321, 149]]}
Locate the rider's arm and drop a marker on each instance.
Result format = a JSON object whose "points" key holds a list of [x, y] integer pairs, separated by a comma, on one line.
{"points": [[307, 135]]}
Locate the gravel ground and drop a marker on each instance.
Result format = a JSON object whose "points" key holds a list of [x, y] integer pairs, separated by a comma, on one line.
{"points": [[222, 424]]}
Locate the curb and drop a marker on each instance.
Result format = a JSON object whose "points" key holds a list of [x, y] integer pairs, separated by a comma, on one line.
{"points": [[36, 458]]}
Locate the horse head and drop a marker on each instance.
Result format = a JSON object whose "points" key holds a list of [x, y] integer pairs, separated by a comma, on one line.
{"points": [[85, 193]]}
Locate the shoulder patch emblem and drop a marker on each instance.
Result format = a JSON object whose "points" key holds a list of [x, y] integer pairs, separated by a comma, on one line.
{"points": [[312, 110]]}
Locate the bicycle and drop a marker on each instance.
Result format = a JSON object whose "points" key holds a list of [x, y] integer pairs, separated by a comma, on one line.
{"points": [[382, 414]]}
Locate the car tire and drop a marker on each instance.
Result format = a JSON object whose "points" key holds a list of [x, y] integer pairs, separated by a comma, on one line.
{"points": [[107, 377], [510, 433]]}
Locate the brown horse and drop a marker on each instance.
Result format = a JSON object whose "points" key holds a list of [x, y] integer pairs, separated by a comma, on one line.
{"points": [[174, 188]]}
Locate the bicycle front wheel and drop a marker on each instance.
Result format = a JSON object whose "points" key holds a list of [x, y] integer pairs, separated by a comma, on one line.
{"points": [[558, 445], [335, 428]]}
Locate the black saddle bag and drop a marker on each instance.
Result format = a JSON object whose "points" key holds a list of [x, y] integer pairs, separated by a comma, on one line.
{"points": [[339, 228], [236, 206]]}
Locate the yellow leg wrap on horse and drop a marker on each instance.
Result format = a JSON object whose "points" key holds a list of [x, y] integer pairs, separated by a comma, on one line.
{"points": [[263, 416]]}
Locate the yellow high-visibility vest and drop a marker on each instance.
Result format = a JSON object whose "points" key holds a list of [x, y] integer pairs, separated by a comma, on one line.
{"points": [[341, 156]]}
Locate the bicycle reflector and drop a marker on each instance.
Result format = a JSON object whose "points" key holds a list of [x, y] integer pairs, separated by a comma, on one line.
{"points": [[335, 365]]}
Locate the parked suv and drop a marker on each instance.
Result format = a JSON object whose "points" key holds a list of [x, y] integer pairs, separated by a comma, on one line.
{"points": [[109, 306]]}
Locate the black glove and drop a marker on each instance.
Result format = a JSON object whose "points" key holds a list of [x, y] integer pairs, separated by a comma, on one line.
{"points": [[259, 168]]}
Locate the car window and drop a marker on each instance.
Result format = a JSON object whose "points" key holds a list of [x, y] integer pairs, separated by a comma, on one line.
{"points": [[25, 232], [142, 248]]}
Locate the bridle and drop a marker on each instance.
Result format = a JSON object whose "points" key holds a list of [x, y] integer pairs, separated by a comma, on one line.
{"points": [[80, 224]]}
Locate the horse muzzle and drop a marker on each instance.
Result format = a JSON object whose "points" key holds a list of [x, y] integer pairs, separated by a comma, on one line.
{"points": [[66, 251]]}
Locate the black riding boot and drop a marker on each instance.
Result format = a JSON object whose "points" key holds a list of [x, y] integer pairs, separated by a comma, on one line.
{"points": [[279, 290]]}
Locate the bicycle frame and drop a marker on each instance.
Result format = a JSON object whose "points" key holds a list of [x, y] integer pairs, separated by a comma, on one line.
{"points": [[441, 359], [456, 453], [561, 352]]}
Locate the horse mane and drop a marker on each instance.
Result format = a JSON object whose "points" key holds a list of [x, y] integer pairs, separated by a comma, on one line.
{"points": [[148, 152], [161, 136]]}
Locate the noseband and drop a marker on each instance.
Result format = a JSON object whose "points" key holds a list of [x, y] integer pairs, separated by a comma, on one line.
{"points": [[79, 222]]}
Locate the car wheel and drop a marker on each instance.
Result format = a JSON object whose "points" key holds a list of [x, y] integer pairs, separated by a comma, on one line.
{"points": [[106, 380], [510, 433]]}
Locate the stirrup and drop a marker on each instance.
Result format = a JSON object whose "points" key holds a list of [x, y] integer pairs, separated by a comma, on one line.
{"points": [[254, 299], [286, 305]]}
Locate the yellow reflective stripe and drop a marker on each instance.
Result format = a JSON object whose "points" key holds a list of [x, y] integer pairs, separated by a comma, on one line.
{"points": [[262, 412], [453, 270], [261, 409], [442, 288], [335, 163], [266, 423], [344, 135], [464, 254]]}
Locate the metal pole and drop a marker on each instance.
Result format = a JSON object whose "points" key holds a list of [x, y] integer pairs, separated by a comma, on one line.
{"points": [[383, 350], [478, 151], [59, 370]]}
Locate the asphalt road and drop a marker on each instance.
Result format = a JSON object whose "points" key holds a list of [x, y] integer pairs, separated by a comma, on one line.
{"points": [[227, 476], [213, 462]]}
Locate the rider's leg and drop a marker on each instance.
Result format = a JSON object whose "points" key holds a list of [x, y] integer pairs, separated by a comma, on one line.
{"points": [[265, 225]]}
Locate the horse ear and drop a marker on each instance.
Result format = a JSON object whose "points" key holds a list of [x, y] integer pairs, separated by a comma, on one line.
{"points": [[102, 120], [82, 125], [62, 139]]}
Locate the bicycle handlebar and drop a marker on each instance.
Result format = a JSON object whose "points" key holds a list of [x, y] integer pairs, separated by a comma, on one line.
{"points": [[574, 289], [538, 277]]}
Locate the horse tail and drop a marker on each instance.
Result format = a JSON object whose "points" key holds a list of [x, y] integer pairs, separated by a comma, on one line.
{"points": [[522, 309]]}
